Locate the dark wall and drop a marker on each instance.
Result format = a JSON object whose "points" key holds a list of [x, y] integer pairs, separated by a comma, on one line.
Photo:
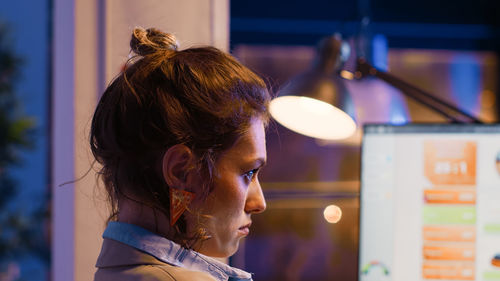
{"points": [[448, 24]]}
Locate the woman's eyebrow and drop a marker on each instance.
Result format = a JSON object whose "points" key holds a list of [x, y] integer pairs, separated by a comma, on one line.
{"points": [[261, 162]]}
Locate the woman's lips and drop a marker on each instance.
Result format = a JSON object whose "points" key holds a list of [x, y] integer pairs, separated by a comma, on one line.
{"points": [[245, 230]]}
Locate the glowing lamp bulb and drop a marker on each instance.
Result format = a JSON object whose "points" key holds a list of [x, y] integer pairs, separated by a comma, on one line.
{"points": [[312, 117], [332, 214]]}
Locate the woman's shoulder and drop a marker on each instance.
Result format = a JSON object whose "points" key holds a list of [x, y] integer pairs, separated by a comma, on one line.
{"points": [[121, 262], [150, 272]]}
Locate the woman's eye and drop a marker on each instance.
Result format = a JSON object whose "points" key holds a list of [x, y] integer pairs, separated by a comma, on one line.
{"points": [[250, 174]]}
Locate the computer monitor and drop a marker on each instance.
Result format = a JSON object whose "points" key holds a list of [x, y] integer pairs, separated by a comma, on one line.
{"points": [[430, 202]]}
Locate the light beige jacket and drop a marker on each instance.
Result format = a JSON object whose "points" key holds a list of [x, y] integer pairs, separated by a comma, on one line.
{"points": [[132, 253], [120, 262]]}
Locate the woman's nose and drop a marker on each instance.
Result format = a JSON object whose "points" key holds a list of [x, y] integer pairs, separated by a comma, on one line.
{"points": [[255, 203]]}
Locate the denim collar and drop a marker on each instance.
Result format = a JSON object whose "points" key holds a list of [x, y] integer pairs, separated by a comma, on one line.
{"points": [[172, 253]]}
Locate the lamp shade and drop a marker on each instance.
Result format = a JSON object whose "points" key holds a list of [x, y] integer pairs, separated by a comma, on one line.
{"points": [[317, 103]]}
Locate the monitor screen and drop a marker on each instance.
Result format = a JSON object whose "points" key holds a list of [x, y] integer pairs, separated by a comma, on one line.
{"points": [[430, 203]]}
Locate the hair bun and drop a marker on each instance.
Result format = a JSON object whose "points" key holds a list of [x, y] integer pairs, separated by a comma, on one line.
{"points": [[148, 41]]}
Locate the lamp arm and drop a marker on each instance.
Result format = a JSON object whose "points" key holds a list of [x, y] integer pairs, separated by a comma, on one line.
{"points": [[365, 69]]}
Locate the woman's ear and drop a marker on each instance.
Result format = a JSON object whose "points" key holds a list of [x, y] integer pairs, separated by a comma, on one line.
{"points": [[176, 164]]}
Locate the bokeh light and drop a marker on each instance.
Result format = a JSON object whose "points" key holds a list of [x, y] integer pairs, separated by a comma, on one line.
{"points": [[332, 214]]}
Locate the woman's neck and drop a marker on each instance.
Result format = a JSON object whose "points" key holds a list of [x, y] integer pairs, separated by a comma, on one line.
{"points": [[133, 212]]}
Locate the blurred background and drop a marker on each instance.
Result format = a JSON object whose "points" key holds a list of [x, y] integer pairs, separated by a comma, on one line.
{"points": [[449, 48]]}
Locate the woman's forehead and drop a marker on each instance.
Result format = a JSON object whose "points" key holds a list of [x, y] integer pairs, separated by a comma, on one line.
{"points": [[251, 146]]}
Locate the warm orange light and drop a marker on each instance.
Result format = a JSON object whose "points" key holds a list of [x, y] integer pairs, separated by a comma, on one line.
{"points": [[347, 75], [312, 117], [332, 214]]}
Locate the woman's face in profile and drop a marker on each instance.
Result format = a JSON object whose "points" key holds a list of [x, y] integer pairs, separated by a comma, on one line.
{"points": [[236, 195]]}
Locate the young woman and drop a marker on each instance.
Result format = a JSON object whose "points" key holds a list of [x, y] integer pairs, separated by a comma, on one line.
{"points": [[180, 137]]}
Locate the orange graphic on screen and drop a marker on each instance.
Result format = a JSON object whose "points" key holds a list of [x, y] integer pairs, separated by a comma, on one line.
{"points": [[446, 233], [449, 271], [450, 162], [439, 196], [449, 252]]}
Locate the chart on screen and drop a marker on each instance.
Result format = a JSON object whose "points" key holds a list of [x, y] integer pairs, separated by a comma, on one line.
{"points": [[430, 203]]}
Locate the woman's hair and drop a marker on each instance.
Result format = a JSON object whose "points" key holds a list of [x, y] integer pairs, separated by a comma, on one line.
{"points": [[200, 97]]}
